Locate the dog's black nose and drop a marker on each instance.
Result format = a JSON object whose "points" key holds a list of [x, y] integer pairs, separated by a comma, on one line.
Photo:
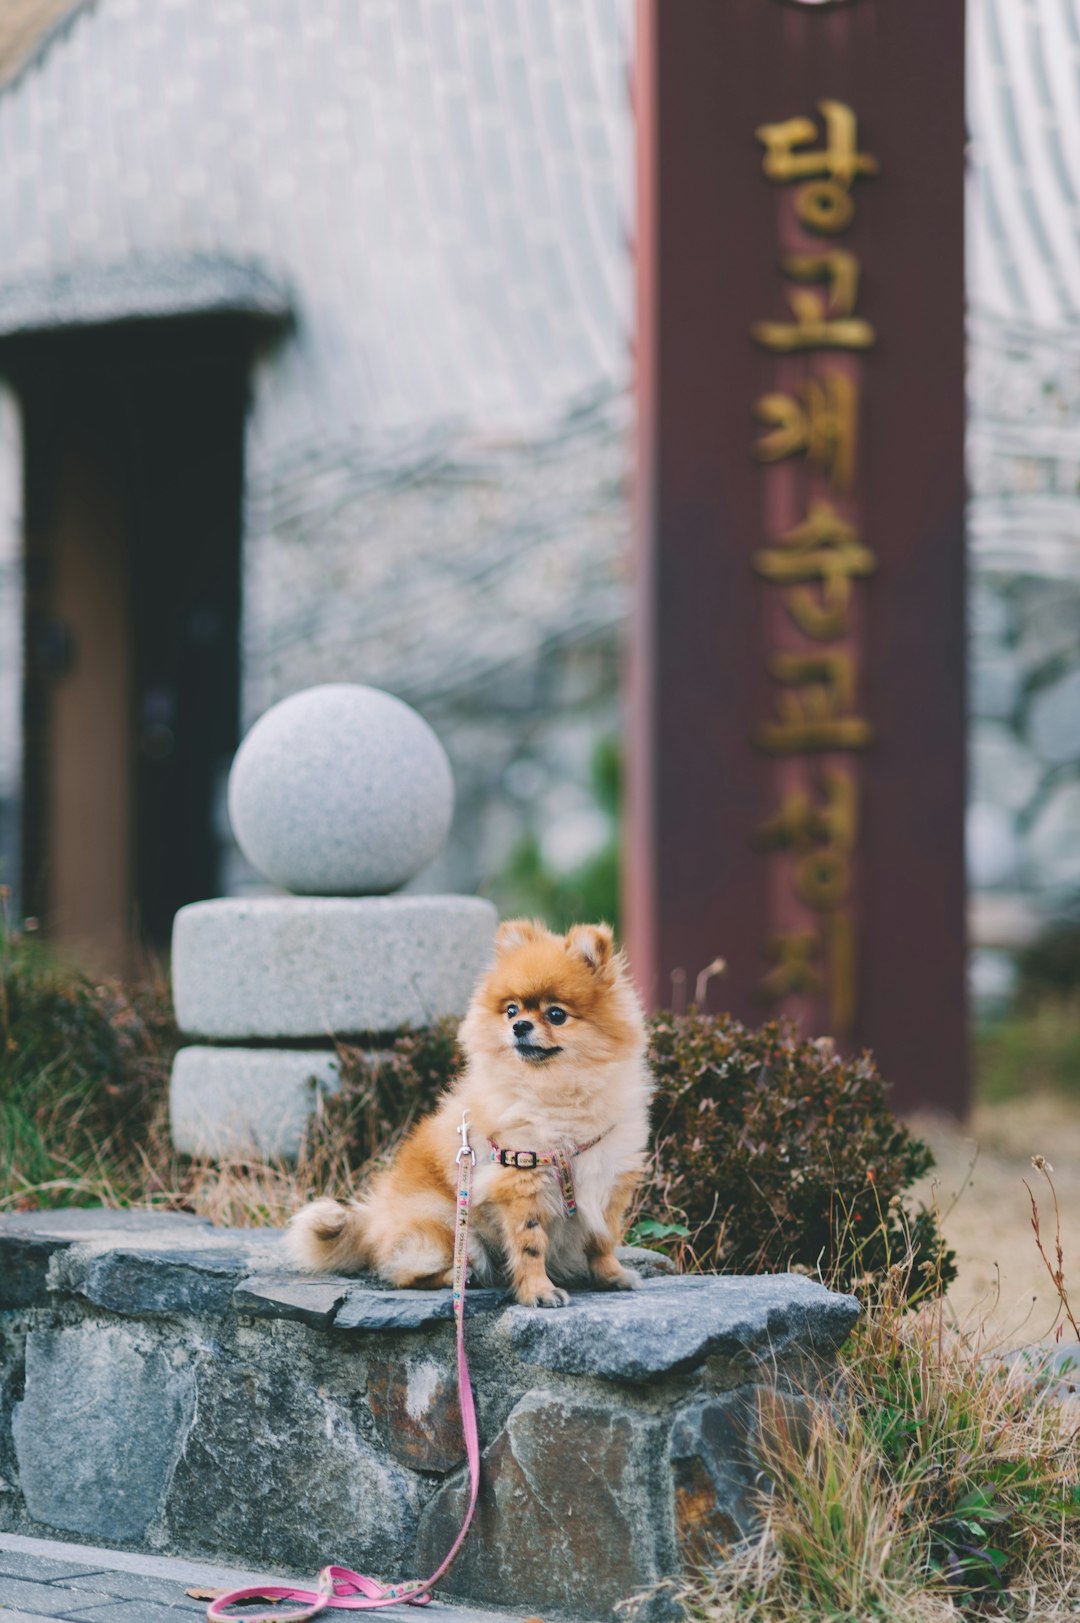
{"points": [[522, 1028]]}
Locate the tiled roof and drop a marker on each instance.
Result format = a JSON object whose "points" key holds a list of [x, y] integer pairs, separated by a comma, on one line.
{"points": [[26, 26], [445, 185], [1024, 205]]}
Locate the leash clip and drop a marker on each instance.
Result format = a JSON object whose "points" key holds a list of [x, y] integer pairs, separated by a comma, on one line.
{"points": [[466, 1148]]}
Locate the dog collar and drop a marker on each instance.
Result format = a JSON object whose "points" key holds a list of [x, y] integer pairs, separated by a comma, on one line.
{"points": [[560, 1160]]}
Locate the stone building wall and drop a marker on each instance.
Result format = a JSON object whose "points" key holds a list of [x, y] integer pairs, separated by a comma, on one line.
{"points": [[487, 585], [1024, 626], [436, 452]]}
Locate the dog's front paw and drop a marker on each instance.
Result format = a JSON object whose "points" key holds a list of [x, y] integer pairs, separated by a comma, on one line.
{"points": [[627, 1279], [547, 1296]]}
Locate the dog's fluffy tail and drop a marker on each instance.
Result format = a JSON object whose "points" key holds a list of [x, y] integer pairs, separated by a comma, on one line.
{"points": [[329, 1238]]}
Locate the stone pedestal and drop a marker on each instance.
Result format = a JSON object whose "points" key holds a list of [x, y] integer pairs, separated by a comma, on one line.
{"points": [[344, 791]]}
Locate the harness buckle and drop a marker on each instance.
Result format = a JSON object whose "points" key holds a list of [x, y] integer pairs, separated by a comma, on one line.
{"points": [[466, 1148]]}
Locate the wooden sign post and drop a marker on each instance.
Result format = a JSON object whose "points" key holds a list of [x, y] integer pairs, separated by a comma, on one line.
{"points": [[797, 743]]}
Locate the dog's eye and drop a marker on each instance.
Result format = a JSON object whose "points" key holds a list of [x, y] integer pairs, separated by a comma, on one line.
{"points": [[557, 1017], [511, 1010]]}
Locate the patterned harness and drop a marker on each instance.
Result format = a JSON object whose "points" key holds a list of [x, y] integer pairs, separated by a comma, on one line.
{"points": [[560, 1160]]}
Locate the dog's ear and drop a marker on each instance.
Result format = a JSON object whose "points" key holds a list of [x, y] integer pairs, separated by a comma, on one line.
{"points": [[516, 932], [593, 942]]}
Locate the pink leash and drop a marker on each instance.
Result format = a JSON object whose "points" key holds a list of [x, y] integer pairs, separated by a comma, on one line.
{"points": [[339, 1586]]}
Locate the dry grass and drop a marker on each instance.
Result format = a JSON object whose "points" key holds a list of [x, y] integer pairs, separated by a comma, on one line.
{"points": [[941, 1483]]}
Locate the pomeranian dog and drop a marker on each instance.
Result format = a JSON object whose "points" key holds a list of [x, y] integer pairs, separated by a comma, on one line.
{"points": [[557, 1091]]}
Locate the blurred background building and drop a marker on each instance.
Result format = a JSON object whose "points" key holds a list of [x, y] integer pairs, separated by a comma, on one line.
{"points": [[316, 326]]}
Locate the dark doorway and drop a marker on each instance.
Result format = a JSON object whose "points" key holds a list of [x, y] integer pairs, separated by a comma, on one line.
{"points": [[134, 447]]}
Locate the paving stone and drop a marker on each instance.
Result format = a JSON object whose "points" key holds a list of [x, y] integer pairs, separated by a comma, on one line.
{"points": [[46, 1600], [26, 1617], [141, 1586], [138, 1611]]}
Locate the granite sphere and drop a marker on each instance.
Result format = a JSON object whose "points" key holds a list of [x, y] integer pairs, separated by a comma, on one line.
{"points": [[340, 790]]}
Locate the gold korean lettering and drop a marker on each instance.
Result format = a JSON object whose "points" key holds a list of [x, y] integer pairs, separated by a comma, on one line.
{"points": [[820, 421], [824, 204], [803, 821], [822, 546], [816, 713], [820, 323]]}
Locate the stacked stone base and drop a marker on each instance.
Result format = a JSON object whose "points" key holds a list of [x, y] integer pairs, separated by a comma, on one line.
{"points": [[170, 1387], [269, 984]]}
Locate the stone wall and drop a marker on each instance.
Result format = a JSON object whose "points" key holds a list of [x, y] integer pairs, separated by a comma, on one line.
{"points": [[1024, 639], [169, 1387], [486, 586]]}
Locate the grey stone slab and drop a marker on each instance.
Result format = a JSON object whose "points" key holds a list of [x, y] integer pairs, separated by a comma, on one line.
{"points": [[236, 1101], [669, 1326], [318, 967], [311, 1301], [374, 1309], [141, 1283], [97, 1431], [36, 1248]]}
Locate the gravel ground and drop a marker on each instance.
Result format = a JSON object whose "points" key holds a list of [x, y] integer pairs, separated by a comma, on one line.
{"points": [[1003, 1287]]}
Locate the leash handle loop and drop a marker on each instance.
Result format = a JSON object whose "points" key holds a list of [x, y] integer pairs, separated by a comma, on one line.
{"points": [[339, 1588]]}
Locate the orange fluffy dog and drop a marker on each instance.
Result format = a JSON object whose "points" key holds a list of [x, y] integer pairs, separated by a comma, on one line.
{"points": [[557, 1091]]}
